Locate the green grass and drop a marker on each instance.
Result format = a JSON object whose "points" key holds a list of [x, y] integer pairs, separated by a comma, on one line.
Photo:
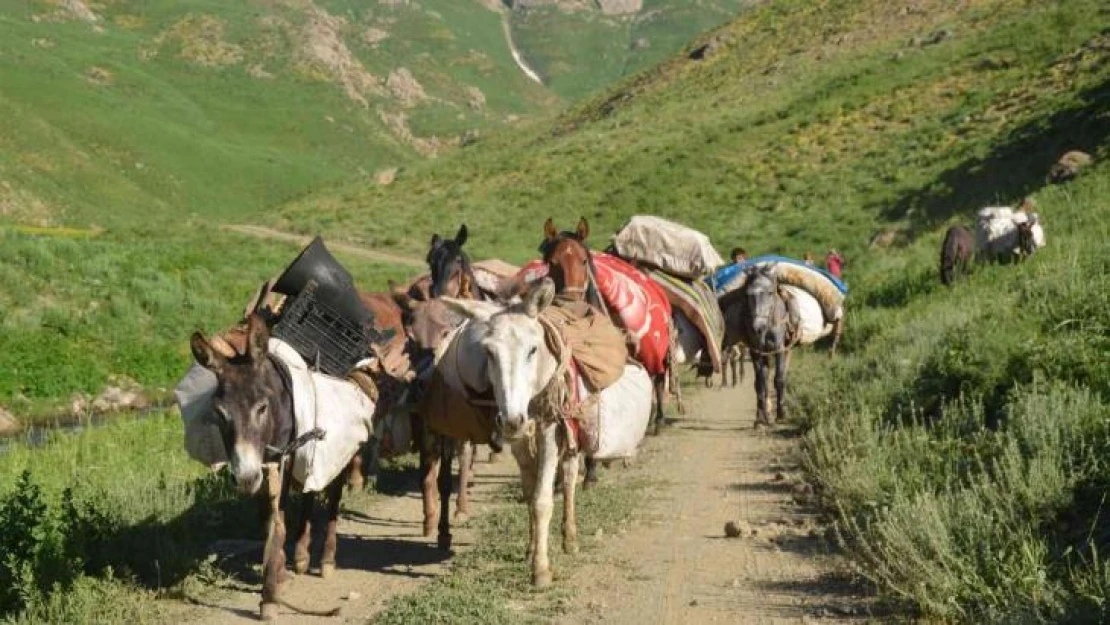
{"points": [[78, 310]]}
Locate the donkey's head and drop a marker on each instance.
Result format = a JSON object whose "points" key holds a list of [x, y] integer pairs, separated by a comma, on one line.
{"points": [[567, 256], [1027, 243], [761, 295], [518, 364], [448, 263], [252, 406]]}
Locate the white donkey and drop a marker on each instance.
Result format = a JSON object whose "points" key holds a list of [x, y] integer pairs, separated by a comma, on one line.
{"points": [[506, 349]]}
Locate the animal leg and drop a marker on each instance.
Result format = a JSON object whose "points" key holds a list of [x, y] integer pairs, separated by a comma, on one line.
{"points": [[430, 461], [738, 363], [759, 363], [465, 449], [591, 473], [543, 501], [277, 490], [526, 462], [304, 535], [335, 494], [782, 366], [570, 521], [447, 450], [658, 383], [354, 472], [838, 330]]}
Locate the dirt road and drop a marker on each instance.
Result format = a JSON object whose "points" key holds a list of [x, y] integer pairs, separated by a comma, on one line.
{"points": [[670, 564], [263, 232], [673, 564]]}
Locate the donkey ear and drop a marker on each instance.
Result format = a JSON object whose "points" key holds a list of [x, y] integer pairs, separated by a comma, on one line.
{"points": [[539, 298], [549, 231], [583, 230], [436, 241], [469, 308], [258, 339], [401, 296], [460, 237], [205, 355]]}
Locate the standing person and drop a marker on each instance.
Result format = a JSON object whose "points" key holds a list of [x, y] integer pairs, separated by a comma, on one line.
{"points": [[808, 259], [834, 262], [739, 255]]}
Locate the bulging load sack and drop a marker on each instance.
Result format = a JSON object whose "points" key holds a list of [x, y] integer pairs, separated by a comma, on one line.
{"points": [[336, 406], [996, 229], [621, 412], [812, 324], [828, 290], [672, 247]]}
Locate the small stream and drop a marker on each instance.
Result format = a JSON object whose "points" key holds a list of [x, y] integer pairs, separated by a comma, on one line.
{"points": [[39, 433]]}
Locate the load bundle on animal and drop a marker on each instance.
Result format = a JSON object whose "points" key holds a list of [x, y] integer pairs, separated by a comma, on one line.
{"points": [[999, 232], [322, 331], [671, 247], [677, 258], [828, 290]]}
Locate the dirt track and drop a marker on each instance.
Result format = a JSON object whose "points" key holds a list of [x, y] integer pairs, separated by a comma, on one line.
{"points": [[263, 232], [671, 564]]}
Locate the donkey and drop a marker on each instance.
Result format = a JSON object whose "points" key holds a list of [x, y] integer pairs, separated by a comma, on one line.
{"points": [[955, 254], [253, 409], [759, 315], [575, 274], [505, 349]]}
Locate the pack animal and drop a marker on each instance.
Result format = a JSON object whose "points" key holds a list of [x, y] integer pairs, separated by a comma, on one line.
{"points": [[758, 315], [955, 254], [508, 351], [253, 409], [1006, 235], [576, 273]]}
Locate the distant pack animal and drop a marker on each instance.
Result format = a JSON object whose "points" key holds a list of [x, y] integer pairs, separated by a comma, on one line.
{"points": [[1005, 234], [956, 253]]}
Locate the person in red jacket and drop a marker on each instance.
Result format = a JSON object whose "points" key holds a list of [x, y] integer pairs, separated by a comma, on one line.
{"points": [[834, 262]]}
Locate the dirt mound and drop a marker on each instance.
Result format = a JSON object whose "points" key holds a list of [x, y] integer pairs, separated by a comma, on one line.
{"points": [[322, 46], [405, 88], [201, 41]]}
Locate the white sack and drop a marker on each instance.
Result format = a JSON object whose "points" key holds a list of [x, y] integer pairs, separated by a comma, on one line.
{"points": [[623, 413], [813, 326], [672, 247]]}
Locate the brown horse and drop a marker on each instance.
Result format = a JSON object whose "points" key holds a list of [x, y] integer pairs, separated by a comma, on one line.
{"points": [[955, 254], [571, 269], [253, 409]]}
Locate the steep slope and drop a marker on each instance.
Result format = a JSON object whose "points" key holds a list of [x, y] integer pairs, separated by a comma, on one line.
{"points": [[223, 109], [800, 125]]}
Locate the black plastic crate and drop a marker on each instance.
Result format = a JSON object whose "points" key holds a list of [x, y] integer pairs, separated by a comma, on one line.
{"points": [[328, 341]]}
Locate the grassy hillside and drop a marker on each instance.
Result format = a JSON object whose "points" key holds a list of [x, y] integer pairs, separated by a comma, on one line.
{"points": [[225, 109], [959, 444], [581, 50]]}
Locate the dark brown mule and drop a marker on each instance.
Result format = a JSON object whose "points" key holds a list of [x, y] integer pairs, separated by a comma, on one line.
{"points": [[757, 315], [956, 253], [571, 269], [253, 408]]}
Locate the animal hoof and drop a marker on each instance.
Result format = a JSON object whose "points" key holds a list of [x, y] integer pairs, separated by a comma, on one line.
{"points": [[570, 547], [430, 528], [301, 565], [444, 543], [541, 579], [269, 611], [460, 518], [327, 570], [356, 485]]}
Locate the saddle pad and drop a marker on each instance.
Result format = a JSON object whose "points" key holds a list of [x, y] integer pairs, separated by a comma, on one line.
{"points": [[596, 346], [698, 302], [642, 307]]}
